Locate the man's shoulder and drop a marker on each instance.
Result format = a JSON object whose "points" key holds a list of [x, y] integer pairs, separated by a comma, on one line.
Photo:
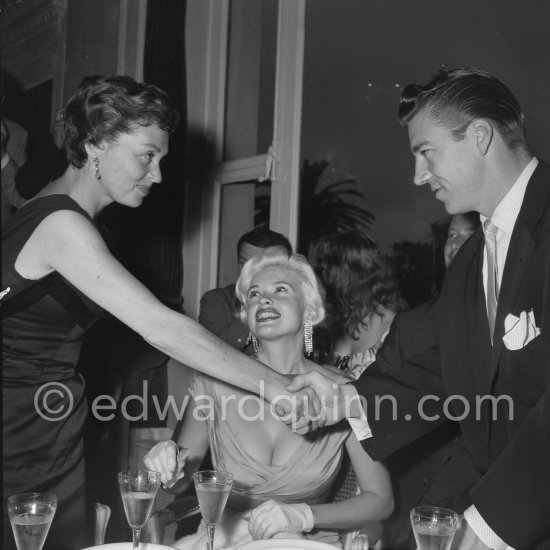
{"points": [[414, 331], [225, 292], [17, 133], [14, 127], [222, 296]]}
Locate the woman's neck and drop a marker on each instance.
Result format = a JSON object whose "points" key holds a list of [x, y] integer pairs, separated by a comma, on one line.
{"points": [[366, 336], [285, 355], [346, 345], [77, 184]]}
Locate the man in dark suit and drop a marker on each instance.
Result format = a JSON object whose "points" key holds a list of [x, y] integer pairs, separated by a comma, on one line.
{"points": [[490, 366]]}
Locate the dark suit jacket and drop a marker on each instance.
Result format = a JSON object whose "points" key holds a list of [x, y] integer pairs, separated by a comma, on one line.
{"points": [[509, 443], [433, 470], [218, 314]]}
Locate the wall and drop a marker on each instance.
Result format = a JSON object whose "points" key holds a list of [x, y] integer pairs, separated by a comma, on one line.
{"points": [[92, 40], [33, 45], [104, 37], [66, 40]]}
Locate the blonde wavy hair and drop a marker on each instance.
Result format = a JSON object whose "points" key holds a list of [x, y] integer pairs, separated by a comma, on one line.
{"points": [[278, 257]]}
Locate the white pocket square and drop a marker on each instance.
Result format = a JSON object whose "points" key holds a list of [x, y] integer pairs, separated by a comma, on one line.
{"points": [[519, 331]]}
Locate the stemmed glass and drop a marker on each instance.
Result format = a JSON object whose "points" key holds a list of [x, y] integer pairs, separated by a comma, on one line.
{"points": [[213, 488], [138, 489], [433, 527], [31, 515]]}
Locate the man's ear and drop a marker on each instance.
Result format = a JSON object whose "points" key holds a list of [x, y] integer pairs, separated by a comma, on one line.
{"points": [[483, 133]]}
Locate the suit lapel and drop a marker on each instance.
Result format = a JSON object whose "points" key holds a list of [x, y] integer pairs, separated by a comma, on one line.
{"points": [[465, 330], [520, 251]]}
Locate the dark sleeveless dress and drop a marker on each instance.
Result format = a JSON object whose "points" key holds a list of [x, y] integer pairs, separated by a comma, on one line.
{"points": [[44, 407]]}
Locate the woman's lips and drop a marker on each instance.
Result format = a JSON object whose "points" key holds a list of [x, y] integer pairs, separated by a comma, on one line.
{"points": [[267, 314], [144, 189]]}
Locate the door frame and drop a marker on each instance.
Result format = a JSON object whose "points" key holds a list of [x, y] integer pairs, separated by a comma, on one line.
{"points": [[206, 42]]}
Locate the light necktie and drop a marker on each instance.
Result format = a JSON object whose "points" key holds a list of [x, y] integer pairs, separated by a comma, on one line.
{"points": [[491, 231]]}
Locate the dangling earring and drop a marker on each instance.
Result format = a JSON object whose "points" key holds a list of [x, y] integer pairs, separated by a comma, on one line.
{"points": [[308, 337], [95, 160], [255, 344]]}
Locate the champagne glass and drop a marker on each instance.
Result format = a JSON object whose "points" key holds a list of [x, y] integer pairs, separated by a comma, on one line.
{"points": [[213, 488], [433, 527], [31, 515], [138, 489]]}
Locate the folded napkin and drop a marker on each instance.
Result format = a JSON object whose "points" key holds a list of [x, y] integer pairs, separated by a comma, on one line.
{"points": [[519, 331]]}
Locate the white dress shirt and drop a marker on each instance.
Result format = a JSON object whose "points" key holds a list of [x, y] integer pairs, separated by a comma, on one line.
{"points": [[504, 218]]}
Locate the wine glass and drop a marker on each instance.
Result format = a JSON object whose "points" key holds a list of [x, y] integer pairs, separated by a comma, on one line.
{"points": [[138, 489], [433, 527], [31, 515], [213, 488]]}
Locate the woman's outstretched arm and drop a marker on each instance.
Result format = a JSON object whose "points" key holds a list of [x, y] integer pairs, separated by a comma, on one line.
{"points": [[68, 243]]}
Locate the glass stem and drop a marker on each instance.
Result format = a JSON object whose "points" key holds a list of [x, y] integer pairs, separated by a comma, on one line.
{"points": [[210, 529], [135, 538]]}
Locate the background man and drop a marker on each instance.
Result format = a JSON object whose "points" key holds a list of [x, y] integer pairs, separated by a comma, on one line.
{"points": [[461, 228]]}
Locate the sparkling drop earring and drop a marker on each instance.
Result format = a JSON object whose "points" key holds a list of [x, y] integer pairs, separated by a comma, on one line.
{"points": [[95, 160], [308, 337], [255, 344]]}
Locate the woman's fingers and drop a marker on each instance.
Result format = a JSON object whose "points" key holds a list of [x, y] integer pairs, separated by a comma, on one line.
{"points": [[166, 459], [257, 527], [178, 472]]}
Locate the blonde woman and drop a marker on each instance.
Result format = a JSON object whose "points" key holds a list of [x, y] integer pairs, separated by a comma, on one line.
{"points": [[282, 481]]}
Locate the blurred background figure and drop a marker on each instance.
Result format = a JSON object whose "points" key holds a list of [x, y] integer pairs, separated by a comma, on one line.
{"points": [[219, 307], [461, 228], [362, 299], [30, 159], [13, 151]]}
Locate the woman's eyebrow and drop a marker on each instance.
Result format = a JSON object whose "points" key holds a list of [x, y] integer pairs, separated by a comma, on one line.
{"points": [[283, 283], [152, 146]]}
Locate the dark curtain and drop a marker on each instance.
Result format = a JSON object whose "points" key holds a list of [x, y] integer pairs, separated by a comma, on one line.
{"points": [[148, 240]]}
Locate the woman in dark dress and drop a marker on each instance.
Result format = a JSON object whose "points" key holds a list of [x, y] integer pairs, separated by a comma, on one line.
{"points": [[57, 274]]}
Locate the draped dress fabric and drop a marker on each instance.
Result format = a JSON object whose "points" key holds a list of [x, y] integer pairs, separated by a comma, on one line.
{"points": [[307, 477], [40, 346]]}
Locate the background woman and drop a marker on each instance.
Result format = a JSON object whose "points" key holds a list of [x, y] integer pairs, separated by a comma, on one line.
{"points": [[362, 298], [59, 275], [282, 481]]}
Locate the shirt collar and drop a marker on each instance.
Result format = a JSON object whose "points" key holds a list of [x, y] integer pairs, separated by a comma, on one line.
{"points": [[507, 211]]}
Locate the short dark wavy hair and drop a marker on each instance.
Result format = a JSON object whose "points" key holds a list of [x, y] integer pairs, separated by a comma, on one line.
{"points": [[262, 237], [104, 107], [358, 280], [455, 97]]}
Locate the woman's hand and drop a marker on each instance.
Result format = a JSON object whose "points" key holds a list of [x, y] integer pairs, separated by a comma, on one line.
{"points": [[272, 519], [167, 459]]}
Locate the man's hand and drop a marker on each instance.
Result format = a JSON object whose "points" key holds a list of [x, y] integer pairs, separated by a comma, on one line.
{"points": [[333, 373], [301, 410], [466, 539]]}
